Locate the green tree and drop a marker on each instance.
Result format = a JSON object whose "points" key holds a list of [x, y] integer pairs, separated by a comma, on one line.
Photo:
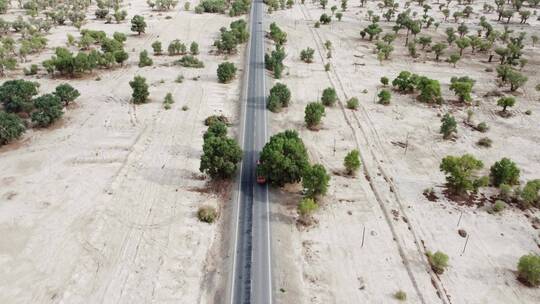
{"points": [[405, 82], [156, 46], [315, 180], [448, 126], [140, 90], [516, 80], [16, 95], [48, 109], [226, 72], [373, 30], [306, 55], [384, 97], [194, 48], [506, 102], [504, 171], [430, 90], [221, 156], [282, 92], [460, 172], [120, 56], [352, 161], [66, 93], [138, 24], [329, 97], [284, 158], [438, 48], [313, 114], [144, 60], [454, 58], [529, 269], [529, 194], [11, 127], [462, 87]]}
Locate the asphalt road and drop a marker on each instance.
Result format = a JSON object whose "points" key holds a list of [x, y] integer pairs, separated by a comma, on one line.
{"points": [[251, 277]]}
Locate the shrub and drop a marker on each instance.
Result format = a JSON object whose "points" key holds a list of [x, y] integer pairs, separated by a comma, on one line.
{"points": [[313, 114], [140, 90], [48, 109], [384, 81], [176, 47], [282, 92], [529, 194], [405, 82], [498, 206], [325, 19], [11, 127], [315, 180], [306, 207], [485, 142], [352, 161], [384, 97], [352, 103], [400, 295], [168, 99], [329, 97], [32, 71], [212, 6], [448, 126], [207, 214], [529, 269], [66, 93], [504, 171], [214, 119], [156, 46], [190, 61], [194, 48], [16, 95], [462, 87], [226, 72], [438, 261], [144, 60], [482, 127], [306, 55]]}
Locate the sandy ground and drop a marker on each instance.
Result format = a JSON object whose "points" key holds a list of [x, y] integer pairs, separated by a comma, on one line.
{"points": [[101, 208], [373, 230]]}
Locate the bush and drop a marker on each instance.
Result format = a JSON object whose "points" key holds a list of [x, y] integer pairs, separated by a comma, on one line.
{"points": [[485, 142], [226, 72], [438, 261], [352, 103], [313, 114], [306, 207], [529, 194], [189, 61], [329, 97], [214, 119], [207, 214], [315, 180], [384, 97], [284, 158], [66, 93], [48, 109], [156, 46], [212, 6], [498, 206], [138, 24], [448, 126], [16, 95], [176, 47], [352, 161], [140, 90], [482, 127], [306, 55], [32, 71], [400, 295], [11, 127], [504, 171], [529, 269], [384, 81], [144, 60], [283, 94]]}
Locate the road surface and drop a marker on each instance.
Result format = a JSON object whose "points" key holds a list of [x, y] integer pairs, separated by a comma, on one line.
{"points": [[251, 279]]}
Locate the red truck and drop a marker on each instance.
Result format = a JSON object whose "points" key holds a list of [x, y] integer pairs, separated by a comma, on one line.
{"points": [[261, 180]]}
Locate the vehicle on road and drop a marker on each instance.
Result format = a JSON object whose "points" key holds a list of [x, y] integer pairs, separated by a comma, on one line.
{"points": [[261, 179]]}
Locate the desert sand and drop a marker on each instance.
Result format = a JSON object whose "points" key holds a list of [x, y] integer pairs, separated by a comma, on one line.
{"points": [[101, 208], [374, 230]]}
